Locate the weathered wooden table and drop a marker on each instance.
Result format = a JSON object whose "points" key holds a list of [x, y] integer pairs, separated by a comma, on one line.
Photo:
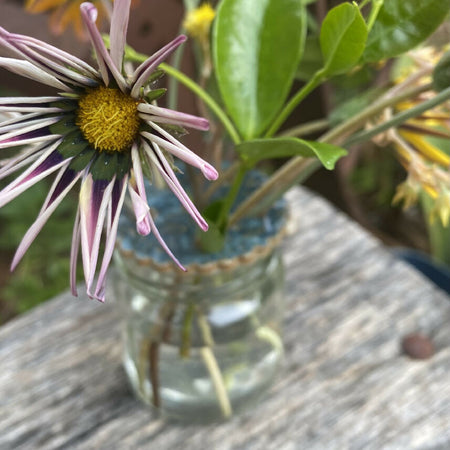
{"points": [[346, 383]]}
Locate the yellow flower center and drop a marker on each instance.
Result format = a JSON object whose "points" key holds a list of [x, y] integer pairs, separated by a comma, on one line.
{"points": [[108, 119]]}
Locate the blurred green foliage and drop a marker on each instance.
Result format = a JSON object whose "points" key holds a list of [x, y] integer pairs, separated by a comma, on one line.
{"points": [[44, 271]]}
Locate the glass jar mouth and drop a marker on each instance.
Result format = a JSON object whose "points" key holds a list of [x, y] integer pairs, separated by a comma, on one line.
{"points": [[244, 239], [229, 274]]}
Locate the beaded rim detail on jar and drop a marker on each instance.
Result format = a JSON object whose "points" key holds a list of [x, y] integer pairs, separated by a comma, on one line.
{"points": [[225, 264]]}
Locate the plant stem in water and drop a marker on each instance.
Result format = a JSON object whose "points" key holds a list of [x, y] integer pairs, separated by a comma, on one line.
{"points": [[213, 367], [217, 379], [186, 331], [153, 359], [159, 333]]}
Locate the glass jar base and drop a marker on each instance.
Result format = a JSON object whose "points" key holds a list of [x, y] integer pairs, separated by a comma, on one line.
{"points": [[187, 392]]}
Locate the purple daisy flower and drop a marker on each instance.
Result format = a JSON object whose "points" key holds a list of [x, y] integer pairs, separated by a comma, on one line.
{"points": [[102, 129]]}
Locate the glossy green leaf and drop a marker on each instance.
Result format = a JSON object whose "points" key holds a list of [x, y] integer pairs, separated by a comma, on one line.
{"points": [[441, 73], [343, 37], [259, 149], [402, 25], [257, 46]]}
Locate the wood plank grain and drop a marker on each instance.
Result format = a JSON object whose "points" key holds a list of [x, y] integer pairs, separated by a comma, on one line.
{"points": [[345, 384]]}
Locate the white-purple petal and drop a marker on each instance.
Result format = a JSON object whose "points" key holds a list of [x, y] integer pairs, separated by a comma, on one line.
{"points": [[63, 179], [47, 163], [28, 70], [140, 204], [180, 151], [94, 195], [116, 203], [159, 161], [142, 73], [158, 114], [102, 209], [34, 137], [57, 69], [50, 50], [30, 109], [42, 218], [106, 64], [18, 120], [119, 25], [141, 210], [23, 159], [27, 131], [164, 245], [27, 100], [74, 253]]}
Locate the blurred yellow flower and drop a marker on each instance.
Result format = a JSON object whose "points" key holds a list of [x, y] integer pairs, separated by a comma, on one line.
{"points": [[66, 13], [422, 145], [198, 22], [429, 151], [407, 193]]}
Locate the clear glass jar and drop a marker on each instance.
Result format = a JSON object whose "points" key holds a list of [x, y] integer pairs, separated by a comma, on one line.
{"points": [[205, 344]]}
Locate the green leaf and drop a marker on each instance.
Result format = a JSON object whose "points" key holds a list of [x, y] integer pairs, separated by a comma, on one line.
{"points": [[257, 46], [259, 149], [343, 37], [441, 73], [402, 25], [154, 94]]}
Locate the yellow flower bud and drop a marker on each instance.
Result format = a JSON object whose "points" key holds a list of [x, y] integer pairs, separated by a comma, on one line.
{"points": [[198, 21], [441, 208], [407, 192]]}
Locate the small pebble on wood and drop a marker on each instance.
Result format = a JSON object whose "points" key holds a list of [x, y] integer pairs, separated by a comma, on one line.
{"points": [[418, 346]]}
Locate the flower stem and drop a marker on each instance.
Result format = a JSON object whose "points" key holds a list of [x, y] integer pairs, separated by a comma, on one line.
{"points": [[153, 360], [150, 352], [217, 379], [265, 333], [188, 82], [398, 119], [306, 128], [212, 365], [222, 220], [295, 100], [172, 94], [186, 331], [205, 330], [337, 134], [376, 6], [224, 178], [213, 105], [294, 171], [298, 169]]}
